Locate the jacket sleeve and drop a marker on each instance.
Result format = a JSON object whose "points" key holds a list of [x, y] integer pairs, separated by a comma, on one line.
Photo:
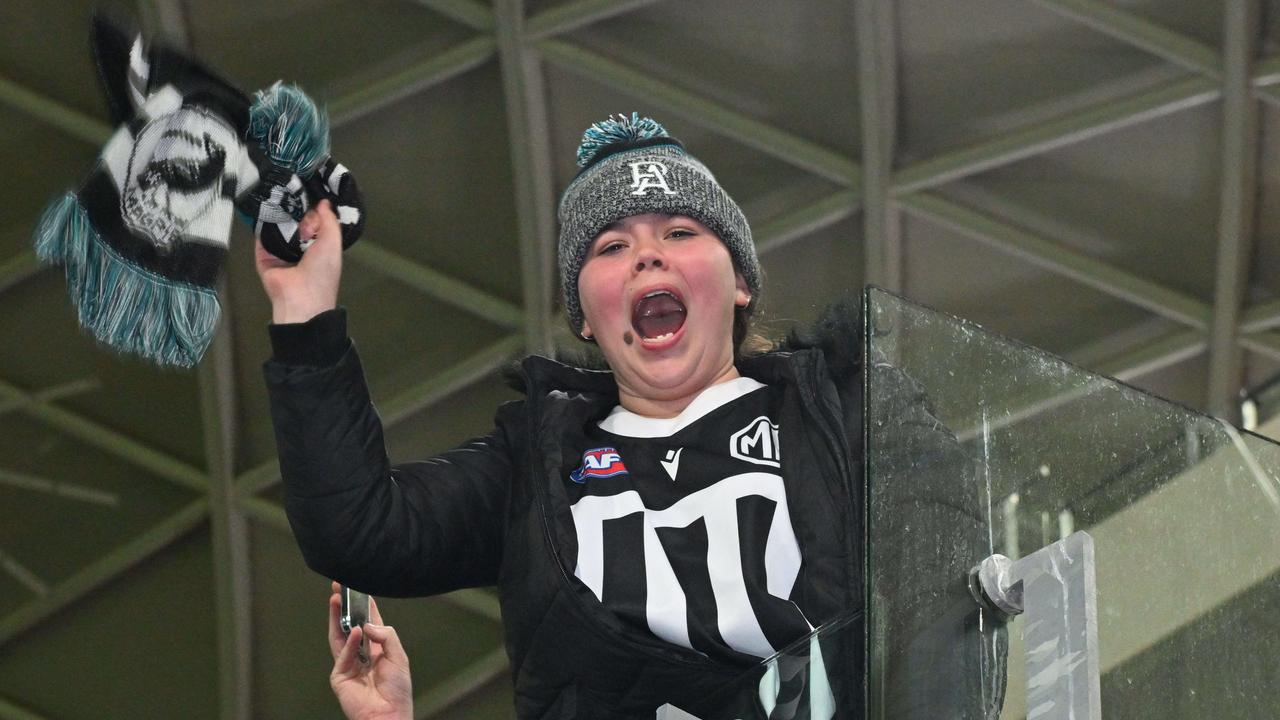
{"points": [[414, 529]]}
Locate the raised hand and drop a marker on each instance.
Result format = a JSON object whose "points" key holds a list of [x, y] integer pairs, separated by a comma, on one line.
{"points": [[300, 291]]}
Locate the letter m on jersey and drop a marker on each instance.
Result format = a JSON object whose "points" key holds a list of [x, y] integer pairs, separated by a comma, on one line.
{"points": [[599, 463], [757, 443]]}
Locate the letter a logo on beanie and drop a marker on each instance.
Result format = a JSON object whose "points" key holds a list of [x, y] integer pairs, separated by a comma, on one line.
{"points": [[649, 174]]}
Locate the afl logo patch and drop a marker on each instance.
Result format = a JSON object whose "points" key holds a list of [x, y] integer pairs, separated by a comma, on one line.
{"points": [[599, 463]]}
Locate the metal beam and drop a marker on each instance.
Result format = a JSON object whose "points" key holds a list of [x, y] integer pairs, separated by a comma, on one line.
{"points": [[1161, 353], [18, 268], [50, 394], [1270, 95], [1068, 263], [411, 401], [103, 570], [806, 220], [529, 137], [229, 537], [10, 711], [1267, 72], [414, 79], [1266, 81], [466, 12], [1166, 351], [1156, 39], [573, 15], [58, 488], [105, 439], [53, 113], [877, 99], [452, 379], [437, 284], [228, 527], [1263, 316], [1073, 128], [794, 150], [1239, 173], [266, 512], [23, 574], [261, 477], [471, 600], [457, 687], [1266, 344]]}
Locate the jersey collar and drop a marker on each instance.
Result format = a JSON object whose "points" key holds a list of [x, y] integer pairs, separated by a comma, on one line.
{"points": [[628, 424]]}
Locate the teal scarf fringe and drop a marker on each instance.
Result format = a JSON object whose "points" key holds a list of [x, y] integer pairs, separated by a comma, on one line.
{"points": [[127, 307]]}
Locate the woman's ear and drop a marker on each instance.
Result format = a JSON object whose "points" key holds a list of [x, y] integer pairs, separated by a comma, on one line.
{"points": [[585, 333], [741, 294]]}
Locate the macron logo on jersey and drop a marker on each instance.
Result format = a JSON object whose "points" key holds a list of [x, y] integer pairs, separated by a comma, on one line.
{"points": [[599, 463]]}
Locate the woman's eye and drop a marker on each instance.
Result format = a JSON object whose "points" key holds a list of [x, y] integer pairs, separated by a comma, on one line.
{"points": [[680, 232], [609, 248]]}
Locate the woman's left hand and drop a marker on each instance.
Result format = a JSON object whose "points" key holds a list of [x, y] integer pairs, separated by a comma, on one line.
{"points": [[382, 688]]}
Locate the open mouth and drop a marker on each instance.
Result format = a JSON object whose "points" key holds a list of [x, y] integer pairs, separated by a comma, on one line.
{"points": [[658, 315]]}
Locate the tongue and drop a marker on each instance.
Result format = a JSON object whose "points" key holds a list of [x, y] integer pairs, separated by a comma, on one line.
{"points": [[658, 315]]}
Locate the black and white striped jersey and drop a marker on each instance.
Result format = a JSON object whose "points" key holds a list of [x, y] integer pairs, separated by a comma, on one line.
{"points": [[683, 527]]}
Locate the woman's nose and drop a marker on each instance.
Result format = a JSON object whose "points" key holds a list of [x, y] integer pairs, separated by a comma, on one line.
{"points": [[648, 255]]}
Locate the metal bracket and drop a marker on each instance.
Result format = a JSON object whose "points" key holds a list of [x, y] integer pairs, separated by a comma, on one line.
{"points": [[1055, 589]]}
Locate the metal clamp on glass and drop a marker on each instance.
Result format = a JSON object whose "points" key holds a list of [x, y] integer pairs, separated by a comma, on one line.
{"points": [[1055, 589], [991, 586]]}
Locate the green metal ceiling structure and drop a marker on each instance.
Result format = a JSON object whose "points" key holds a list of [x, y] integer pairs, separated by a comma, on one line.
{"points": [[1094, 177]]}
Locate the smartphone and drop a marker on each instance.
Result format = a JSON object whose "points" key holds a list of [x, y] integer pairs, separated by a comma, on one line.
{"points": [[355, 612]]}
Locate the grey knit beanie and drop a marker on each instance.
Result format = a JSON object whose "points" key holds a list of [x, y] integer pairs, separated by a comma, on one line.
{"points": [[631, 166]]}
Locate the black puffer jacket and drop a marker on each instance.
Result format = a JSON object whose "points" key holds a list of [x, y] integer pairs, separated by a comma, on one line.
{"points": [[493, 511]]}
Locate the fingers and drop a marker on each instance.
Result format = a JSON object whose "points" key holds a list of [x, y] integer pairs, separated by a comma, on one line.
{"points": [[337, 638], [265, 261], [325, 250], [375, 618], [329, 233], [346, 662], [320, 223], [325, 209], [309, 225], [386, 636]]}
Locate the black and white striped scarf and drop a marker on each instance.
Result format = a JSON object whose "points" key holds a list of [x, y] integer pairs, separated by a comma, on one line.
{"points": [[144, 239]]}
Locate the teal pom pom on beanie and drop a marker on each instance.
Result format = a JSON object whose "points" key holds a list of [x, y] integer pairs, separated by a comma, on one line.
{"points": [[617, 129]]}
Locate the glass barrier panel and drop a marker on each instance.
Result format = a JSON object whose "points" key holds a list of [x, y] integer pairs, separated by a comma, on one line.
{"points": [[816, 678], [979, 445]]}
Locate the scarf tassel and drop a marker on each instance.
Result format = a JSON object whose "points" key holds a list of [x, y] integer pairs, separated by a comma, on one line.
{"points": [[125, 306]]}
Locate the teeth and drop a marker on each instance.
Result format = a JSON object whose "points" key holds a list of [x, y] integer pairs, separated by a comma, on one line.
{"points": [[656, 293], [663, 336]]}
